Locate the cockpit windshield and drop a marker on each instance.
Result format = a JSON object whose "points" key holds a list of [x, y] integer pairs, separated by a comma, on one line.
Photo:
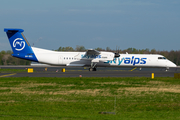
{"points": [[161, 58]]}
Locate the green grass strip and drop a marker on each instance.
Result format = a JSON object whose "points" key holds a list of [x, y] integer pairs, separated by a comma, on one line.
{"points": [[89, 98]]}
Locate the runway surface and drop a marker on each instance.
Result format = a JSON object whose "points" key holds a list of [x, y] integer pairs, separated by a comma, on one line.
{"points": [[83, 72], [90, 74]]}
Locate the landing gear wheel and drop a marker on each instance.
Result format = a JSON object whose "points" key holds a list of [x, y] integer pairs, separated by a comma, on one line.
{"points": [[92, 69]]}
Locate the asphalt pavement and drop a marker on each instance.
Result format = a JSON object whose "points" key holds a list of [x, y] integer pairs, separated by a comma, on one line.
{"points": [[83, 72]]}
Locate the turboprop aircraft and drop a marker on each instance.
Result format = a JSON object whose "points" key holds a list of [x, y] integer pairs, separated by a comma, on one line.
{"points": [[91, 58]]}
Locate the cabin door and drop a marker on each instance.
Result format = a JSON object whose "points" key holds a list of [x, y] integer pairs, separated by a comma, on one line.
{"points": [[60, 59]]}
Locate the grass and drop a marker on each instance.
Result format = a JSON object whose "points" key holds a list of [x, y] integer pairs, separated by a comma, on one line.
{"points": [[83, 98]]}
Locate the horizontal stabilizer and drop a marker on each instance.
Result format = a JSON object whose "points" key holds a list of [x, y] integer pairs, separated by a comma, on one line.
{"points": [[13, 30]]}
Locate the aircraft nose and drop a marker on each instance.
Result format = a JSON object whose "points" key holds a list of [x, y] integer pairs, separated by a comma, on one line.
{"points": [[171, 64]]}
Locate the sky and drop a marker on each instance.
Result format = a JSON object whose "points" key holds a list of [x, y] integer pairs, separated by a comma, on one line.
{"points": [[49, 24]]}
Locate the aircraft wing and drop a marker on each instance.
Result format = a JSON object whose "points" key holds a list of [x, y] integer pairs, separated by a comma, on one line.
{"points": [[96, 56], [92, 52]]}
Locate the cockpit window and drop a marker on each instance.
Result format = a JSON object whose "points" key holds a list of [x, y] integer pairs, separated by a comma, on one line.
{"points": [[162, 58]]}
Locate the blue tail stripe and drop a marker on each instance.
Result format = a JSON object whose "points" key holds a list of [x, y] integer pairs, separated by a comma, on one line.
{"points": [[19, 44]]}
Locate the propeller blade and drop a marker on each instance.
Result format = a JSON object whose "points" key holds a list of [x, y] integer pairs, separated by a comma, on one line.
{"points": [[116, 55]]}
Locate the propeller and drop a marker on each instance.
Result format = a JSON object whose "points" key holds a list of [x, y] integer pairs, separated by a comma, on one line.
{"points": [[116, 54]]}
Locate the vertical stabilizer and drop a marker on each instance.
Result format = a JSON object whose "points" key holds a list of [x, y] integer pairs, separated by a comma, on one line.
{"points": [[20, 45]]}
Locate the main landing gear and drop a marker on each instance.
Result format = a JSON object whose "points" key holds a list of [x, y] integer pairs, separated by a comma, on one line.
{"points": [[93, 67]]}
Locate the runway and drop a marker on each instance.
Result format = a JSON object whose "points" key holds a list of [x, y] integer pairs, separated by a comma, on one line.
{"points": [[83, 72], [91, 74]]}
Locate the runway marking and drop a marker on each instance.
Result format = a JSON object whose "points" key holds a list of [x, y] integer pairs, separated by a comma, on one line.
{"points": [[133, 69], [7, 75]]}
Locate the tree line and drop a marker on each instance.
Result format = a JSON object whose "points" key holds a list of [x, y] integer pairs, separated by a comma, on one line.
{"points": [[7, 59], [174, 56]]}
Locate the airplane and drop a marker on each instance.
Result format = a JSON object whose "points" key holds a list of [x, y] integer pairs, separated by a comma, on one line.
{"points": [[91, 58]]}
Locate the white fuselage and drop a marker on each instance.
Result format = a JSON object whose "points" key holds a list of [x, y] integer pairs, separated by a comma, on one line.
{"points": [[104, 59]]}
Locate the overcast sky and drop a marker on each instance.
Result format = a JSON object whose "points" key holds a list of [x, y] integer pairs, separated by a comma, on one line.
{"points": [[49, 24]]}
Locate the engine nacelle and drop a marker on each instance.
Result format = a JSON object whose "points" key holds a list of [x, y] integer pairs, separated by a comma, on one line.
{"points": [[107, 56]]}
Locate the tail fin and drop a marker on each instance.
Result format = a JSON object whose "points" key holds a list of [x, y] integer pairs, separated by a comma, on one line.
{"points": [[20, 46]]}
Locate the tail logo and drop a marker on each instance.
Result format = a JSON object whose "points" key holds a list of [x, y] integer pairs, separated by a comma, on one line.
{"points": [[18, 44]]}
